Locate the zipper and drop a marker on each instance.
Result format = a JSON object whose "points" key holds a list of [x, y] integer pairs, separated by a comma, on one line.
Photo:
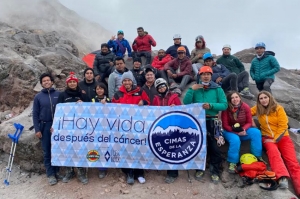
{"points": [[51, 104], [269, 126]]}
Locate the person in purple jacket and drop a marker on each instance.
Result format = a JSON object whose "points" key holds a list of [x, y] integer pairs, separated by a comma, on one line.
{"points": [[43, 112]]}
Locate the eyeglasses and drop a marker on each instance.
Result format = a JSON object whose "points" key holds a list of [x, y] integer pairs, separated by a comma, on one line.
{"points": [[180, 53], [162, 86]]}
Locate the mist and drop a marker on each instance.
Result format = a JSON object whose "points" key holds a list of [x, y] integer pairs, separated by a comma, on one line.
{"points": [[239, 23]]}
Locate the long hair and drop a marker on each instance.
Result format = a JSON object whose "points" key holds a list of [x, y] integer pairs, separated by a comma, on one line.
{"points": [[230, 105], [261, 110]]}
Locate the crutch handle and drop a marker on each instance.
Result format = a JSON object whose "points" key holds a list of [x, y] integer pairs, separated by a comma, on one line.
{"points": [[17, 134]]}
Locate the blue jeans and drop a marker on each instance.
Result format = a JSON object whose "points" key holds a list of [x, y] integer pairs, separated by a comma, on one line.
{"points": [[234, 140], [46, 146]]}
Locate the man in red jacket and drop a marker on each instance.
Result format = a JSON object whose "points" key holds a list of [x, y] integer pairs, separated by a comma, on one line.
{"points": [[179, 70], [159, 62], [142, 45]]}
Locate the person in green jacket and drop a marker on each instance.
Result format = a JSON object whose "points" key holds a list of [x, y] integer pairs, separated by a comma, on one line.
{"points": [[263, 68], [213, 98], [234, 65]]}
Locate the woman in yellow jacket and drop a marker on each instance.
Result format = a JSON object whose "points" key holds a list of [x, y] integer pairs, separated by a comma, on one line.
{"points": [[276, 140]]}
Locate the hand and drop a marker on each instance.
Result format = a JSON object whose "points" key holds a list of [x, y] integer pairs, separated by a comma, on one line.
{"points": [[38, 135], [242, 133], [174, 76], [172, 105], [141, 72], [113, 37], [103, 101], [169, 73], [97, 77], [51, 130], [111, 63], [129, 58], [200, 55], [79, 101], [218, 80], [83, 91], [197, 86], [141, 103], [206, 106]]}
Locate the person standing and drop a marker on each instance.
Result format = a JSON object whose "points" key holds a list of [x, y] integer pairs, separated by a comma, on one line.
{"points": [[276, 140], [172, 50], [213, 98], [73, 94], [263, 68], [237, 125], [142, 45], [119, 45], [234, 65], [44, 104], [131, 94], [87, 85]]}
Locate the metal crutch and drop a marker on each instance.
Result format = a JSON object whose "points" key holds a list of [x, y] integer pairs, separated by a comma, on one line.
{"points": [[15, 139]]}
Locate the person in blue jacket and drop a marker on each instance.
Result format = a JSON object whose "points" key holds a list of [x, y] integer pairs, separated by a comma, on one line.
{"points": [[221, 75], [263, 68], [119, 45], [44, 104]]}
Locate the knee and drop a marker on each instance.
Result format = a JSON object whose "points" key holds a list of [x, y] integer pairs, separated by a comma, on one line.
{"points": [[254, 132], [234, 140]]}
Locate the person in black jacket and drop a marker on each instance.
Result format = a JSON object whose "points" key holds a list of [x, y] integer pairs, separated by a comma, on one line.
{"points": [[101, 94], [103, 63], [88, 84], [172, 50], [137, 72], [149, 87], [73, 94]]}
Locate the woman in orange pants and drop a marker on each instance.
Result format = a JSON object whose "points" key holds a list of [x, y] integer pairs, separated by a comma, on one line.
{"points": [[276, 140]]}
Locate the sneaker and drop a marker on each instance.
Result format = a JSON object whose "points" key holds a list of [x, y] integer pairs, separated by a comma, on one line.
{"points": [[141, 180], [52, 180], [246, 93], [130, 179], [170, 179], [69, 175], [215, 179], [231, 168], [199, 175], [283, 183], [102, 173], [81, 176], [260, 159]]}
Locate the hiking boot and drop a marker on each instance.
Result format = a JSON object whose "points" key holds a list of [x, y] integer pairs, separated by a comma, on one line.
{"points": [[69, 175], [173, 86], [102, 173], [81, 175], [246, 93], [231, 168], [215, 179], [260, 159], [59, 176], [52, 180], [170, 179], [130, 178], [199, 175], [283, 183]]}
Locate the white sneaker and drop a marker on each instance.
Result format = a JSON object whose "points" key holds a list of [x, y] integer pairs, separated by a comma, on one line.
{"points": [[141, 180]]}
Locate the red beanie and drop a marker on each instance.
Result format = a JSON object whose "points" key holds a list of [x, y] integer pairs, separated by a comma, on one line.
{"points": [[72, 76]]}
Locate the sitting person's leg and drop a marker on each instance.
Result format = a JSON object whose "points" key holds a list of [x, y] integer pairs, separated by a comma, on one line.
{"points": [[243, 84], [254, 135], [234, 149], [148, 57], [196, 68], [267, 85], [184, 81], [229, 83]]}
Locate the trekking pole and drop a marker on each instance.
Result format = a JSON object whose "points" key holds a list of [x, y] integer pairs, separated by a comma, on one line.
{"points": [[15, 139]]}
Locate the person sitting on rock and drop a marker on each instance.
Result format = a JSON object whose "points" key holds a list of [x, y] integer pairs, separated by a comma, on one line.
{"points": [[44, 104], [213, 98], [234, 65], [138, 72], [263, 68], [221, 75], [73, 94], [237, 125], [142, 45], [103, 63], [131, 94], [172, 50], [87, 85], [179, 70], [198, 52], [114, 80], [119, 45], [149, 87], [276, 140], [159, 62], [166, 98]]}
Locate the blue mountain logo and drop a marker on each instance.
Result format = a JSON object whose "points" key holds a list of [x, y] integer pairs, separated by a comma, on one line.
{"points": [[175, 137]]}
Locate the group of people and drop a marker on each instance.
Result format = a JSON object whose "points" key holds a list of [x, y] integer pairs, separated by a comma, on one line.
{"points": [[148, 87]]}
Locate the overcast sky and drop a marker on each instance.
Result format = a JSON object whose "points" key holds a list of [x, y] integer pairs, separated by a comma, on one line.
{"points": [[239, 23]]}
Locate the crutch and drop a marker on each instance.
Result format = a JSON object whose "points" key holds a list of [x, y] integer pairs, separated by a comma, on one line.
{"points": [[15, 139]]}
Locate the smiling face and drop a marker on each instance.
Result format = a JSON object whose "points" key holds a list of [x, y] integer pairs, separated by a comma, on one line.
{"points": [[226, 51], [264, 100], [205, 77], [127, 83], [46, 82], [181, 55], [99, 91], [162, 88], [259, 50], [150, 77], [235, 99], [72, 84], [136, 65]]}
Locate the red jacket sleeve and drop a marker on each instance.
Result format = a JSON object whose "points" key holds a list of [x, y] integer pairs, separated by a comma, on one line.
{"points": [[187, 69], [153, 43], [177, 100], [225, 121], [248, 123], [169, 65], [145, 98], [155, 62], [165, 60]]}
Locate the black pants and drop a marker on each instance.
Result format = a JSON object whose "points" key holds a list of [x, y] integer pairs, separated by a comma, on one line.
{"points": [[243, 80], [265, 85], [135, 172], [140, 54], [183, 81], [213, 151], [229, 83]]}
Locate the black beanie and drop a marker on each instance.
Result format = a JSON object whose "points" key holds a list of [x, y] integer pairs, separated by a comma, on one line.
{"points": [[104, 45], [85, 70], [138, 59]]}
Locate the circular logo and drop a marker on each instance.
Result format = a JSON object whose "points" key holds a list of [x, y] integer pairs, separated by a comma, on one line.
{"points": [[93, 156], [175, 137]]}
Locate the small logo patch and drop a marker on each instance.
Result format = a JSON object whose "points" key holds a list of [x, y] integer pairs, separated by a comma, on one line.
{"points": [[93, 156]]}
